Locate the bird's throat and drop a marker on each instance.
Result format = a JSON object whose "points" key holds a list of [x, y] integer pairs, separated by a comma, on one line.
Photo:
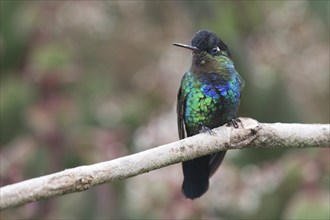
{"points": [[204, 63]]}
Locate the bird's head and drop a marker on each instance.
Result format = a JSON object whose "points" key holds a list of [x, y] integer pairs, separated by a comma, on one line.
{"points": [[208, 50]]}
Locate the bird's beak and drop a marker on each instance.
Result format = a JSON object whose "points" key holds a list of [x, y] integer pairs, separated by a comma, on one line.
{"points": [[187, 47]]}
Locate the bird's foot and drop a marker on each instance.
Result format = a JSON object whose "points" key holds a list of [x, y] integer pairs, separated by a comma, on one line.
{"points": [[205, 129], [234, 122]]}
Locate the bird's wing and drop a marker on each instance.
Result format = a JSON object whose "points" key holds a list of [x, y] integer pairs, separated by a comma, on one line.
{"points": [[215, 161], [240, 79], [181, 104]]}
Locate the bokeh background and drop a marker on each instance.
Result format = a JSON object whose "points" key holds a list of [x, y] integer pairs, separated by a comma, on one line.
{"points": [[89, 81]]}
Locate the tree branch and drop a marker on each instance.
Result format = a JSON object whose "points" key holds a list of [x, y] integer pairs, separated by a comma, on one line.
{"points": [[250, 134]]}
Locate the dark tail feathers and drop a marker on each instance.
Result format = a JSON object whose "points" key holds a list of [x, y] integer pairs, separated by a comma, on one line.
{"points": [[197, 172], [196, 177]]}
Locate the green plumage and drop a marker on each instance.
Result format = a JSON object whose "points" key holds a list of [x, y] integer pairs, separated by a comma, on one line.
{"points": [[208, 97]]}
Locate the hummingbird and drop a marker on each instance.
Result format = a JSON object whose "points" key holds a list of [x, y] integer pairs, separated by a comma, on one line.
{"points": [[208, 97]]}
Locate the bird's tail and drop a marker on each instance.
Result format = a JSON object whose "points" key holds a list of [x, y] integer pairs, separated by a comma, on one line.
{"points": [[196, 177], [197, 172]]}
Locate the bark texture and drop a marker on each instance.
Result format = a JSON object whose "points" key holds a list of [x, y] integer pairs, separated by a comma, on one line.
{"points": [[250, 134]]}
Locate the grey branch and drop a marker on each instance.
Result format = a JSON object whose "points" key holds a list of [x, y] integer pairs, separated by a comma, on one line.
{"points": [[250, 134]]}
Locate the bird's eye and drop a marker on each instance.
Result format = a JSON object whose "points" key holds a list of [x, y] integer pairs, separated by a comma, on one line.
{"points": [[215, 50]]}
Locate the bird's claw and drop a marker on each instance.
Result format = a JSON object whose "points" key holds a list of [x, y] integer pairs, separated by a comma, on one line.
{"points": [[205, 129], [234, 122]]}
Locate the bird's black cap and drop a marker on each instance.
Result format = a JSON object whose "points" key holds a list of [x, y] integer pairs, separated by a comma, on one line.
{"points": [[206, 40]]}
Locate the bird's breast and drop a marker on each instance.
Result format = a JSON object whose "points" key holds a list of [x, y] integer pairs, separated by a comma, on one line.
{"points": [[211, 100]]}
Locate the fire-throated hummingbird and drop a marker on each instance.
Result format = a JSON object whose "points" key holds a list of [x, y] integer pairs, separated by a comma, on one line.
{"points": [[208, 97]]}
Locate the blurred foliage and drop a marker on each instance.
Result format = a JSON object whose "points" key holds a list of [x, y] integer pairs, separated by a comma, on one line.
{"points": [[88, 81]]}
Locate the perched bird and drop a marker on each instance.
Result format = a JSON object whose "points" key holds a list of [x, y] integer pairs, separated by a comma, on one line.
{"points": [[208, 97]]}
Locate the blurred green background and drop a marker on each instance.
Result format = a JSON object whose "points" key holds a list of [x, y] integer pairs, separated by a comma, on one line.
{"points": [[88, 81]]}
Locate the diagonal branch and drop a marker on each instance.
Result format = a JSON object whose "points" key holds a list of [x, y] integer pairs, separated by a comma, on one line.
{"points": [[250, 134]]}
